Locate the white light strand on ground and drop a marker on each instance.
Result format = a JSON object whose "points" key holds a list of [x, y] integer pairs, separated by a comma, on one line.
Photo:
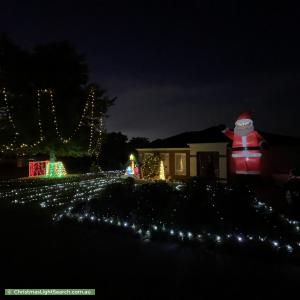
{"points": [[181, 234], [69, 193], [261, 206], [61, 193]]}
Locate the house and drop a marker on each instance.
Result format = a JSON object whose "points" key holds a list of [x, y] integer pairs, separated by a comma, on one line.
{"points": [[207, 154]]}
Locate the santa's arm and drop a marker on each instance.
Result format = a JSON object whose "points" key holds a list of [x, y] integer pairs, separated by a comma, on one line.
{"points": [[262, 142], [229, 133]]}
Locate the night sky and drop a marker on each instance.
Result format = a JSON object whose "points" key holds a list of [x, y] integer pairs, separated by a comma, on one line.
{"points": [[177, 66]]}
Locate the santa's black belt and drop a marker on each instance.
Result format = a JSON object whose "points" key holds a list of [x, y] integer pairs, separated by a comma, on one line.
{"points": [[245, 148]]}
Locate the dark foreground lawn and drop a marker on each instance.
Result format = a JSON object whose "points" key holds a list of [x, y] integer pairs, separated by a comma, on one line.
{"points": [[37, 253]]}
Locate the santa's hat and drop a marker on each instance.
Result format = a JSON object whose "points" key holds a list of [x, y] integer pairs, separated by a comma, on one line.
{"points": [[245, 117]]}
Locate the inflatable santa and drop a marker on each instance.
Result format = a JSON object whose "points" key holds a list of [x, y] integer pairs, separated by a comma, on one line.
{"points": [[246, 146]]}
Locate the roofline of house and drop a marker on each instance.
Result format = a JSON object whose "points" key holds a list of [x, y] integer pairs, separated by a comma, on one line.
{"points": [[208, 143], [179, 148], [161, 149]]}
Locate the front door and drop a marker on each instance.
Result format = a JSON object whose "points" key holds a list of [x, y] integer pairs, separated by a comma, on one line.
{"points": [[208, 164]]}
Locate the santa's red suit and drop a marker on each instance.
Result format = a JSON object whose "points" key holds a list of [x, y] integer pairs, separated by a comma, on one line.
{"points": [[246, 146]]}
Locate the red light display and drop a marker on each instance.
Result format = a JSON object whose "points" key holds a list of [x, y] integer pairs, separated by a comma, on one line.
{"points": [[37, 168]]}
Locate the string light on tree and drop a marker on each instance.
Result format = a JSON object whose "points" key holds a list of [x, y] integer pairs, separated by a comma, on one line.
{"points": [[11, 121], [96, 124], [39, 115], [92, 119]]}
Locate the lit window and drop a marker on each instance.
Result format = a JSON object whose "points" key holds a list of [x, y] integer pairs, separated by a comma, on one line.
{"points": [[180, 164], [165, 158]]}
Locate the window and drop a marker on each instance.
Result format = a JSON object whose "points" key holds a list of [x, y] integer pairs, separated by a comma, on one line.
{"points": [[180, 164], [165, 158]]}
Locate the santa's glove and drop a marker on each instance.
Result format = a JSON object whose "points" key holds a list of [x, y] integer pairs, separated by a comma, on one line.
{"points": [[221, 127]]}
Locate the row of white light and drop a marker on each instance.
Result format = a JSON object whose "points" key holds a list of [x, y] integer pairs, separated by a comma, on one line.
{"points": [[90, 188], [217, 238], [261, 206], [181, 234], [61, 193]]}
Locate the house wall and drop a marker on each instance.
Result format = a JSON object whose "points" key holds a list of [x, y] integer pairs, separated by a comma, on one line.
{"points": [[276, 160], [171, 152], [207, 147], [191, 157], [280, 159]]}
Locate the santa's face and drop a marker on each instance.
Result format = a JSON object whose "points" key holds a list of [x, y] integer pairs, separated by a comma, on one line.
{"points": [[243, 127]]}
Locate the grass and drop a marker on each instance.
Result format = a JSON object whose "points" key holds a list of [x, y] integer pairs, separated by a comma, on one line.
{"points": [[38, 253]]}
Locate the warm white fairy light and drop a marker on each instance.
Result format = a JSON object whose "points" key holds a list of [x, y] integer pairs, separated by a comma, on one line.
{"points": [[11, 121], [92, 119], [89, 104], [98, 147]]}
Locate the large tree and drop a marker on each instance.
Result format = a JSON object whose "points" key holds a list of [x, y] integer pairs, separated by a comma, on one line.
{"points": [[50, 99], [115, 151]]}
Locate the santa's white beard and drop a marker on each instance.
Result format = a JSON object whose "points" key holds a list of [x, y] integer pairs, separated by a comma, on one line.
{"points": [[242, 131]]}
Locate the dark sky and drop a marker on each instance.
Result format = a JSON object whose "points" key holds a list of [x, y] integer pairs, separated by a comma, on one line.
{"points": [[180, 65]]}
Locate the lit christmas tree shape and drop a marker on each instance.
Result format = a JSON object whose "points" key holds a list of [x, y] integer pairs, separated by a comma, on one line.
{"points": [[162, 175], [38, 168], [55, 169]]}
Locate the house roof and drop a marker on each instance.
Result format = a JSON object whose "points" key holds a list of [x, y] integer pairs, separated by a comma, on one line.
{"points": [[209, 135], [214, 135]]}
